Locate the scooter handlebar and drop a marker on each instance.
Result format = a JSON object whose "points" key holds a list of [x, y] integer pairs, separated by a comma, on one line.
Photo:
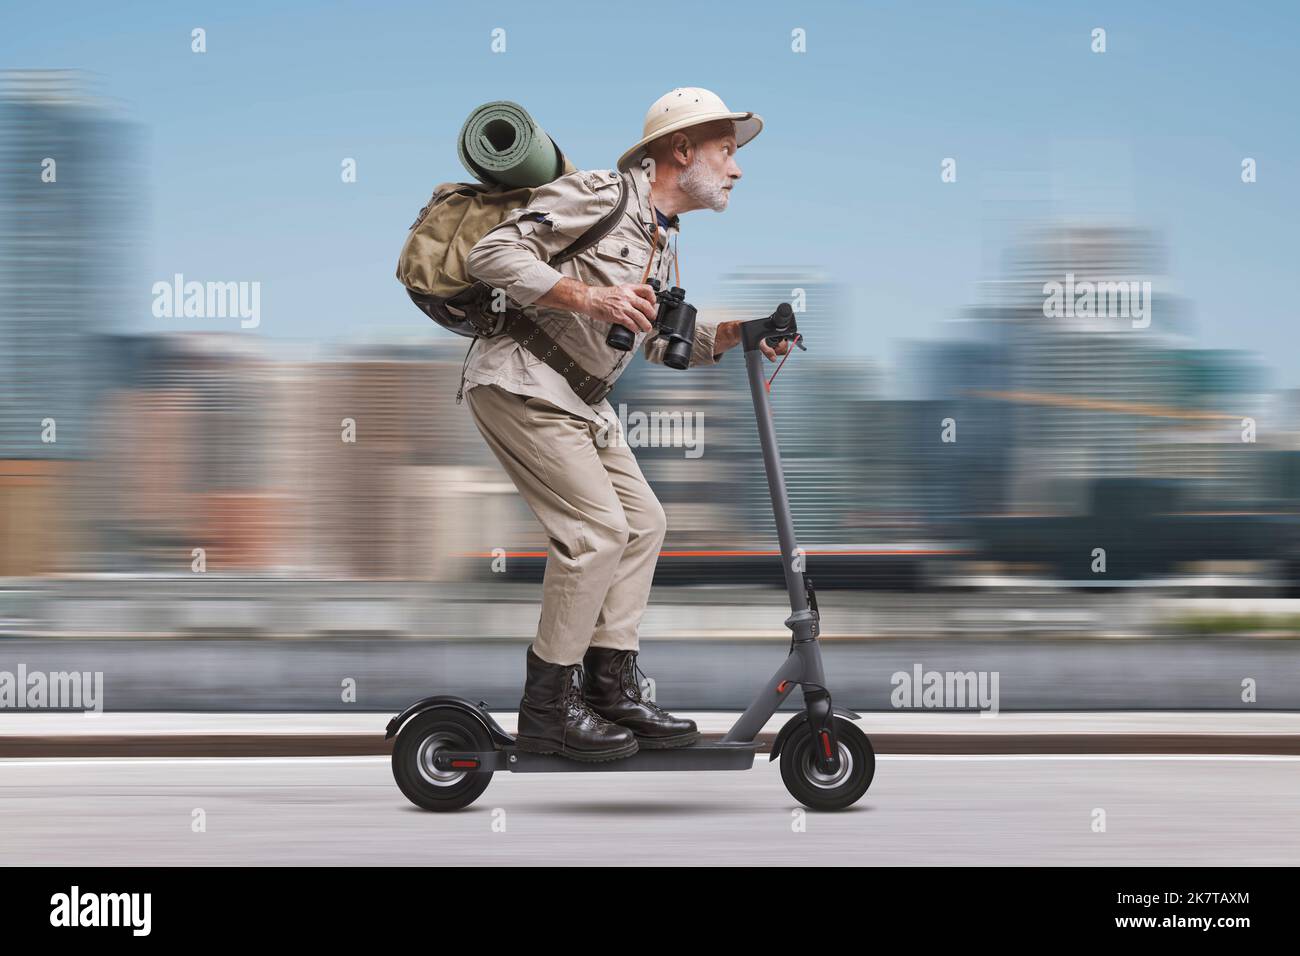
{"points": [[773, 328]]}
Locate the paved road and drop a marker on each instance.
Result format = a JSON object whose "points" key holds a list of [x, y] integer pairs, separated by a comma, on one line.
{"points": [[66, 734], [920, 810]]}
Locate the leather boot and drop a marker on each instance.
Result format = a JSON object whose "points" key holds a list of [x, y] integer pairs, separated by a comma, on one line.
{"points": [[554, 719], [612, 690]]}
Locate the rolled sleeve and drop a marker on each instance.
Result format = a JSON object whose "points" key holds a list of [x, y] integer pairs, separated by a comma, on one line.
{"points": [[705, 350], [530, 281], [514, 255]]}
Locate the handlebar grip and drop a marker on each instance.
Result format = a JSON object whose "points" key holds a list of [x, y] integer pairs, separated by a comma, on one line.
{"points": [[783, 317], [774, 328], [782, 322]]}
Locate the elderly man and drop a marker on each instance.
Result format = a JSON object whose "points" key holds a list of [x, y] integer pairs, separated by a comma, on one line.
{"points": [[582, 698]]}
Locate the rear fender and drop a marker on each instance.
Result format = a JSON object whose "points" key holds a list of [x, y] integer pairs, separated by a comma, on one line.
{"points": [[478, 711]]}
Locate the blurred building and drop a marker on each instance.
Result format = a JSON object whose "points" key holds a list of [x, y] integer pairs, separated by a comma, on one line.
{"points": [[951, 378], [816, 409], [905, 482], [696, 484], [398, 481], [185, 456], [357, 464], [1076, 399], [71, 186]]}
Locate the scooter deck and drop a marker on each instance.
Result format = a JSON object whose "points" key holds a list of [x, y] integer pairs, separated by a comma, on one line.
{"points": [[703, 755]]}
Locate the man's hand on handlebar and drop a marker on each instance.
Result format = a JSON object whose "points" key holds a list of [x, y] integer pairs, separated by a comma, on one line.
{"points": [[729, 336]]}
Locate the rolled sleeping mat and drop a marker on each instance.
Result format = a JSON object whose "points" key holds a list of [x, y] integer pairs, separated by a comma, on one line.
{"points": [[500, 144]]}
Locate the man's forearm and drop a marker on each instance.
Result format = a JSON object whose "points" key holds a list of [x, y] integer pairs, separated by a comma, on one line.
{"points": [[569, 295]]}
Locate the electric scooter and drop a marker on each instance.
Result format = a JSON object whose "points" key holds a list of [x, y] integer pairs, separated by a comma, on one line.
{"points": [[447, 748]]}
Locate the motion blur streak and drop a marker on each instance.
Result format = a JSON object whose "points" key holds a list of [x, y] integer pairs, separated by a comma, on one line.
{"points": [[185, 484]]}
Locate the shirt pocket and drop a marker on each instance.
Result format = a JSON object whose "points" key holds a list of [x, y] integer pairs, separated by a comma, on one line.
{"points": [[619, 260]]}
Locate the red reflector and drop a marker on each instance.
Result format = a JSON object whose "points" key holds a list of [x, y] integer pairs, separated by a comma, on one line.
{"points": [[826, 743], [464, 763]]}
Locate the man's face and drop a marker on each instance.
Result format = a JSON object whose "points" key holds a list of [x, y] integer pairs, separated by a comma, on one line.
{"points": [[712, 172]]}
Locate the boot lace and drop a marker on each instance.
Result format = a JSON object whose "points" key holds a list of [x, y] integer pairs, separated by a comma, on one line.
{"points": [[632, 685], [573, 699]]}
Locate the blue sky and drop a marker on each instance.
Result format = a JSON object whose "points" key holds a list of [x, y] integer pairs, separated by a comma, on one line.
{"points": [[245, 141]]}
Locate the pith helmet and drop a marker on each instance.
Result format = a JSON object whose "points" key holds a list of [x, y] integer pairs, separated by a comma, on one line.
{"points": [[690, 106]]}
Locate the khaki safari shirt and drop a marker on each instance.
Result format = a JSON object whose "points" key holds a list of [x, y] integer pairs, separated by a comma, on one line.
{"points": [[512, 257]]}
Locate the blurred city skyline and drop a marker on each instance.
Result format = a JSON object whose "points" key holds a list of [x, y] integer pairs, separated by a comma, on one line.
{"points": [[244, 145], [171, 438]]}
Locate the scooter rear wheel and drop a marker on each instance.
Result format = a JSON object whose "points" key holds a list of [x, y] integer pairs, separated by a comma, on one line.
{"points": [[419, 741], [819, 791]]}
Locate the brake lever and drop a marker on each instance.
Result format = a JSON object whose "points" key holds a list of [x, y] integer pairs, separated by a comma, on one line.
{"points": [[796, 337]]}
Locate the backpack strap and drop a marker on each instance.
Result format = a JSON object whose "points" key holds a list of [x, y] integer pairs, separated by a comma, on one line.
{"points": [[533, 339], [598, 231]]}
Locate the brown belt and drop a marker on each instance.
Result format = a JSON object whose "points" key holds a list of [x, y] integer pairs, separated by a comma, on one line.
{"points": [[530, 336]]}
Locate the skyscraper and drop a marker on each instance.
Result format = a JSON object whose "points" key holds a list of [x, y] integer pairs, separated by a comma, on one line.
{"points": [[814, 403], [70, 193], [1075, 396]]}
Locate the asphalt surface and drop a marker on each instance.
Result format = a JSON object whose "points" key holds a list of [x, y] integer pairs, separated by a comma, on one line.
{"points": [[52, 734], [920, 810]]}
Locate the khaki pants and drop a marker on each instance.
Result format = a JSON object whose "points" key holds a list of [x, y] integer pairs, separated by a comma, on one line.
{"points": [[604, 523]]}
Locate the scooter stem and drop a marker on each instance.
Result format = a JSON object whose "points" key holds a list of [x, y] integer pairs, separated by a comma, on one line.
{"points": [[791, 557], [804, 664]]}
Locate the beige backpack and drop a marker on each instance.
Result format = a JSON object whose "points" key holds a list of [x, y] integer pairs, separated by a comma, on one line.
{"points": [[432, 263]]}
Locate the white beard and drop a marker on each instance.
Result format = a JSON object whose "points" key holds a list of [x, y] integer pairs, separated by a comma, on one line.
{"points": [[696, 182]]}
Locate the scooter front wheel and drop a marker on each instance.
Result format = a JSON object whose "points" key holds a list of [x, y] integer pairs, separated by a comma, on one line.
{"points": [[423, 783], [820, 791]]}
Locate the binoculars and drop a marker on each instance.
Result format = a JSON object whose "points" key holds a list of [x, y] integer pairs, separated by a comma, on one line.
{"points": [[675, 321]]}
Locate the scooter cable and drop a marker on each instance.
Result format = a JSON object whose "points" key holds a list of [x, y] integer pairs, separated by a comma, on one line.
{"points": [[793, 343]]}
